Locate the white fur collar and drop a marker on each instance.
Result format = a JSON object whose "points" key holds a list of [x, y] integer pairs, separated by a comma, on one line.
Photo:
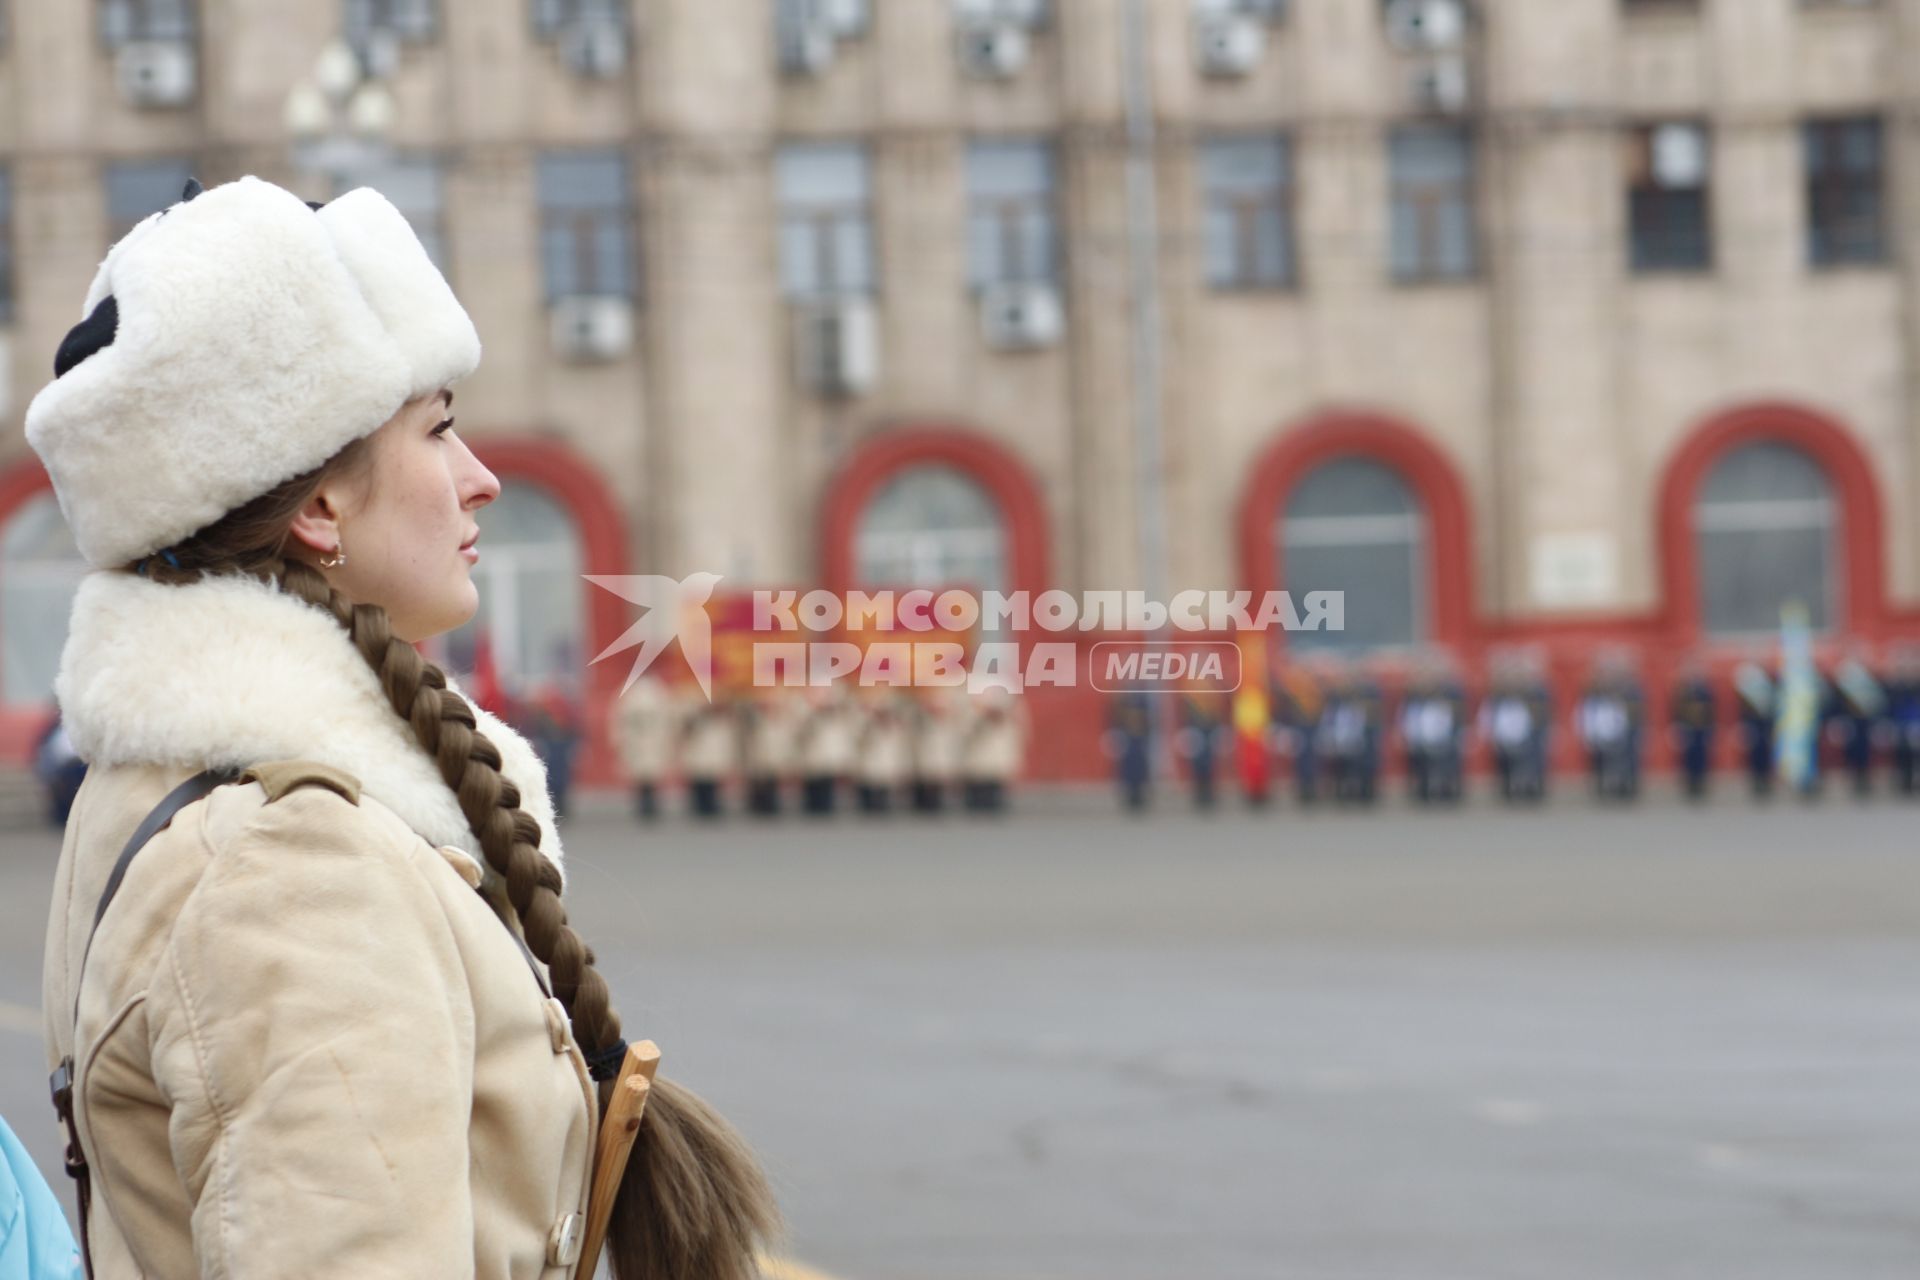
{"points": [[232, 671]]}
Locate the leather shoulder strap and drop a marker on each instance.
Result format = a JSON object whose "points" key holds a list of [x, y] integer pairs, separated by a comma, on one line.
{"points": [[198, 787]]}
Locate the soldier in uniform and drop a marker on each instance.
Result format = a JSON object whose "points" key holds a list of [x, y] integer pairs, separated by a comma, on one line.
{"points": [[937, 729], [1129, 741], [1694, 714], [827, 742], [1513, 720], [1299, 701], [643, 733], [1202, 738], [1859, 720], [993, 749], [1349, 738], [1903, 714], [709, 750], [771, 749], [1755, 705], [884, 752], [1608, 720], [1432, 726]]}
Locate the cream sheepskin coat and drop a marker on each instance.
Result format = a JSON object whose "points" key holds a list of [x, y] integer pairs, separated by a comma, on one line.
{"points": [[305, 1044]]}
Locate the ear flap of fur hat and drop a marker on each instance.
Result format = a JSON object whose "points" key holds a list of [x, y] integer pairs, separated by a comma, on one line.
{"points": [[231, 342]]}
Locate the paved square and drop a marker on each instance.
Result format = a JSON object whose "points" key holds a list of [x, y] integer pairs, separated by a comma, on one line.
{"points": [[1482, 1044]]}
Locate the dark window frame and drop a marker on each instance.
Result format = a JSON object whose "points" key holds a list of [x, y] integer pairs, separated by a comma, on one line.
{"points": [[146, 20], [1427, 199], [1245, 208], [581, 224], [822, 220], [549, 18], [1008, 215], [1833, 185], [1659, 241]]}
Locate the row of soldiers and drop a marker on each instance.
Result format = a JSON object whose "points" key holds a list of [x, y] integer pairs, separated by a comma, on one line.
{"points": [[1333, 729], [822, 746]]}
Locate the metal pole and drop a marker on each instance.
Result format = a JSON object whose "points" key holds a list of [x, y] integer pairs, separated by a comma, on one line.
{"points": [[1143, 241]]}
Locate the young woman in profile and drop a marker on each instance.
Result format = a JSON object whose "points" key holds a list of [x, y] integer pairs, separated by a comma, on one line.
{"points": [[309, 979]]}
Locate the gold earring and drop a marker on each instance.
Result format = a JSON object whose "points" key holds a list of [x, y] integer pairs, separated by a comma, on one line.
{"points": [[334, 560]]}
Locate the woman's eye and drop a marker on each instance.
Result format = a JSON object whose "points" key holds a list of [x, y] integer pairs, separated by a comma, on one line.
{"points": [[445, 426]]}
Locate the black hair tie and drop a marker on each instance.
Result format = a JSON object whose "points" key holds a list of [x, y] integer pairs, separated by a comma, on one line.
{"points": [[605, 1064]]}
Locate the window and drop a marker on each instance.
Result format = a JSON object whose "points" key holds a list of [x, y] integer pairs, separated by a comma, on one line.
{"points": [[6, 247], [412, 20], [931, 526], [1247, 185], [136, 188], [1431, 171], [1353, 525], [586, 224], [1764, 528], [40, 570], [826, 220], [550, 17], [531, 604], [413, 184], [1845, 180], [126, 21], [1011, 237], [1667, 206]]}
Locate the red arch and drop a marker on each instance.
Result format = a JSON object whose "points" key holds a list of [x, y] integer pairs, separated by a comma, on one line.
{"points": [[21, 481], [576, 485], [1344, 433], [1833, 448], [885, 455]]}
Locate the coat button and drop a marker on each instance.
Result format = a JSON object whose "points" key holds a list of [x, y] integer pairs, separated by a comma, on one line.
{"points": [[563, 1246], [557, 1025]]}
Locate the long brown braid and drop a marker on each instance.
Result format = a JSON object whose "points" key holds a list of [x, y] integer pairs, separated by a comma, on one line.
{"points": [[694, 1204]]}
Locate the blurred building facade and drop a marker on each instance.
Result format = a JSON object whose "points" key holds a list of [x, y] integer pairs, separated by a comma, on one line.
{"points": [[1588, 321]]}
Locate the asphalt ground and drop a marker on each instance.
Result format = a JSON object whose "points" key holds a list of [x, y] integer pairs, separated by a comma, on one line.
{"points": [[1481, 1043]]}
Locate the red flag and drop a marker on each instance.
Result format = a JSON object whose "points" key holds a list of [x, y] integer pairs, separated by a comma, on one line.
{"points": [[487, 692]]}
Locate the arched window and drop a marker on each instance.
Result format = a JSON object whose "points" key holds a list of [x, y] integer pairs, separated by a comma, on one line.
{"points": [[1353, 525], [1764, 525], [532, 600], [931, 525], [40, 569]]}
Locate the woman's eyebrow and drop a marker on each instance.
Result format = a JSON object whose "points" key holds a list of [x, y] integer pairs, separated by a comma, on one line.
{"points": [[446, 393]]}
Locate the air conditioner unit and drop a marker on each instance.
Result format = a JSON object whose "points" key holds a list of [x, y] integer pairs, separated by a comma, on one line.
{"points": [[1426, 26], [1021, 317], [595, 47], [588, 328], [1441, 86], [1230, 45], [992, 51], [1678, 155], [156, 73], [837, 346]]}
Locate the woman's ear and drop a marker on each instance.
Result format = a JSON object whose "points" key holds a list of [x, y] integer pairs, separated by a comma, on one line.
{"points": [[317, 526]]}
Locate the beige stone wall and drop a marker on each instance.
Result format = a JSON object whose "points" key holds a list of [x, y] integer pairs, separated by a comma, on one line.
{"points": [[1556, 382]]}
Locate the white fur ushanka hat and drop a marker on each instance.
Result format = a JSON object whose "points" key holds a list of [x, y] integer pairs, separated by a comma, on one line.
{"points": [[232, 342]]}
